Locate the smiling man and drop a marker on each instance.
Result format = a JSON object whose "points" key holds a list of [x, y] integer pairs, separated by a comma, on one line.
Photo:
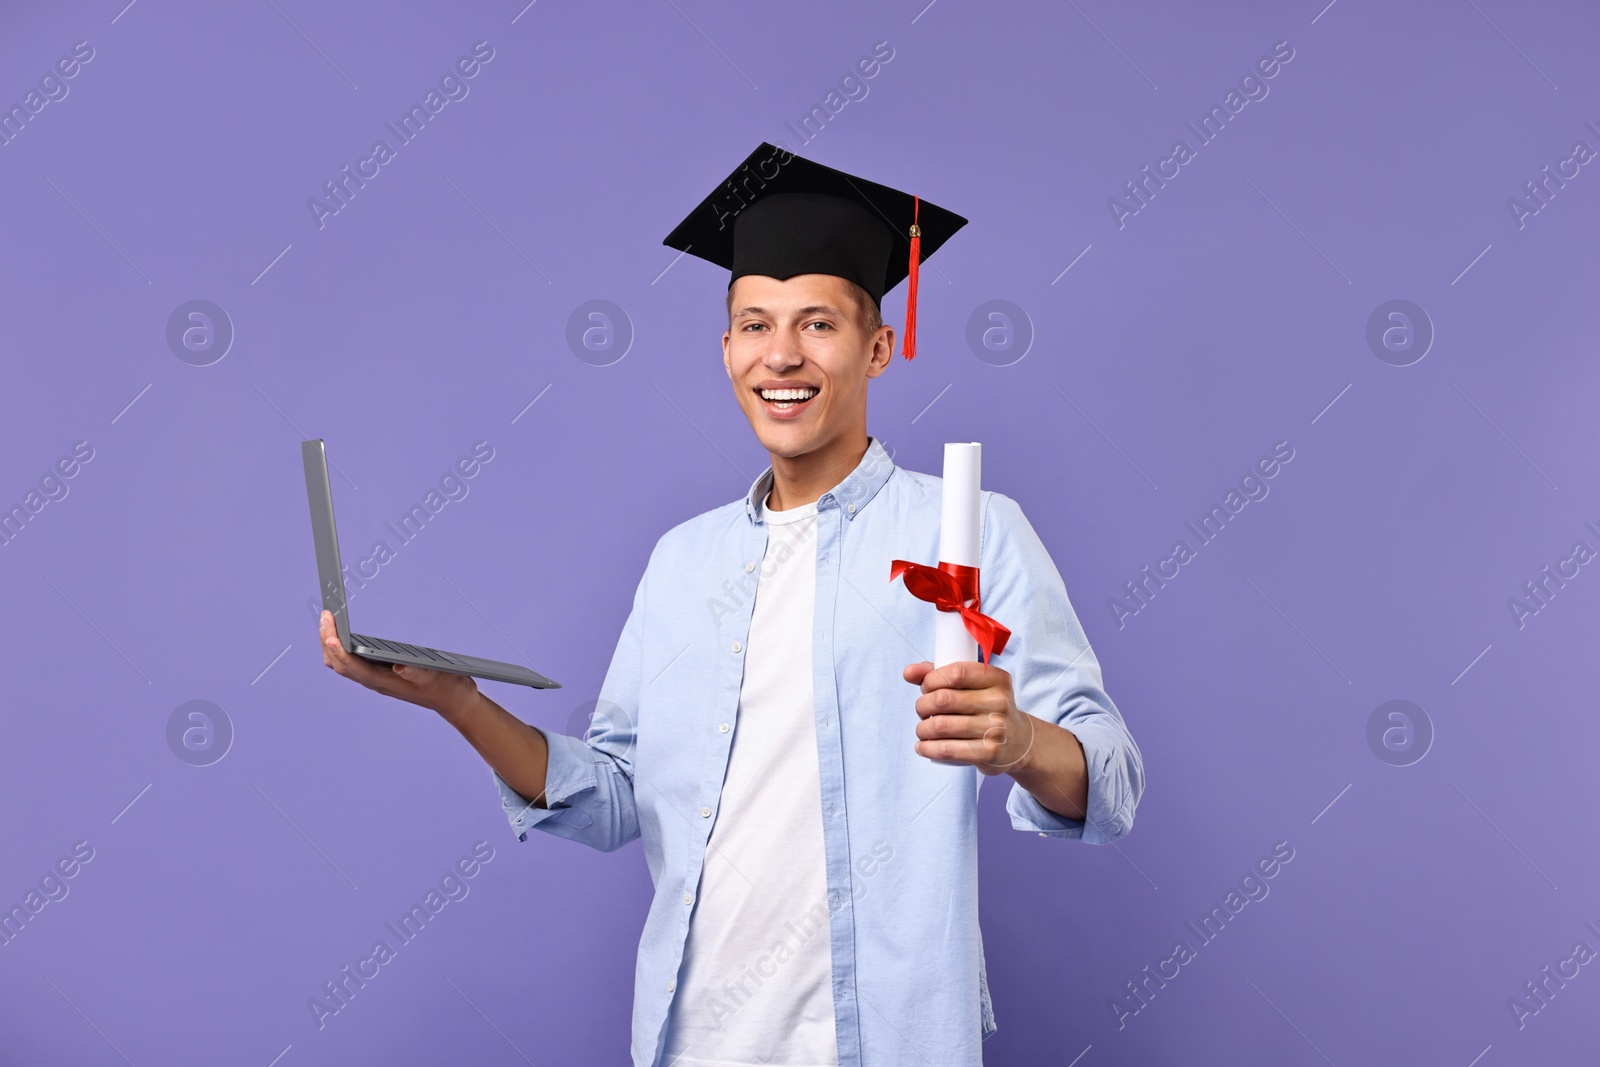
{"points": [[804, 782]]}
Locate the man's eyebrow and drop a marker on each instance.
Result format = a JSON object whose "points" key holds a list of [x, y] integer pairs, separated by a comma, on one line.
{"points": [[814, 309]]}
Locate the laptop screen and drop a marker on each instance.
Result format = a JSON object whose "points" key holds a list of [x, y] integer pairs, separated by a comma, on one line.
{"points": [[330, 573]]}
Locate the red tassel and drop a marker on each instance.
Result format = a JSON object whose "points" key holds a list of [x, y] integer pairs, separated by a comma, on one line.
{"points": [[909, 347]]}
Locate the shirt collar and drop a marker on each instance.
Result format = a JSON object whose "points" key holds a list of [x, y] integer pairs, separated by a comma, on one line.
{"points": [[850, 495]]}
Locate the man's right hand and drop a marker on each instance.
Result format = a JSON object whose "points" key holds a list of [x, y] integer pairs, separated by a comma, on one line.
{"points": [[439, 691], [517, 752]]}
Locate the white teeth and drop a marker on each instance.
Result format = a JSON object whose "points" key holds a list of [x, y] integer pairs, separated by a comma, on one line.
{"points": [[788, 394]]}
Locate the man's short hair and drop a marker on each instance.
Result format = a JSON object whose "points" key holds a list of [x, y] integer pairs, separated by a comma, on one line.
{"points": [[868, 315]]}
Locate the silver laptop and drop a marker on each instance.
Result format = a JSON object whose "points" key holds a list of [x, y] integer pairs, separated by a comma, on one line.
{"points": [[319, 493]]}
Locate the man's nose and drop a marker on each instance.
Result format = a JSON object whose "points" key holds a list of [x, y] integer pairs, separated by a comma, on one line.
{"points": [[784, 352]]}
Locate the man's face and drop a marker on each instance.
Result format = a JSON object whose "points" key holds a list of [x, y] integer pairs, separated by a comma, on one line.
{"points": [[799, 360]]}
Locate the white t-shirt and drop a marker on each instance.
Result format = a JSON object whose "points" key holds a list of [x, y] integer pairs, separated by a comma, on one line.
{"points": [[757, 984]]}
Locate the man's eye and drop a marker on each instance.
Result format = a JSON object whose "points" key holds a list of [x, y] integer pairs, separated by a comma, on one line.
{"points": [[819, 322], [754, 326]]}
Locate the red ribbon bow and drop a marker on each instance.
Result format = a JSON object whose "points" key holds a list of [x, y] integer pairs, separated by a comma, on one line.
{"points": [[948, 587]]}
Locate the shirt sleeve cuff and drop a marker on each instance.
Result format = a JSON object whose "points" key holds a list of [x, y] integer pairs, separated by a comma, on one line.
{"points": [[1109, 816], [569, 772]]}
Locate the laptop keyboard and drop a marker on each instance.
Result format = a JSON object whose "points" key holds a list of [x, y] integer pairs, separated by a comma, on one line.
{"points": [[404, 649]]}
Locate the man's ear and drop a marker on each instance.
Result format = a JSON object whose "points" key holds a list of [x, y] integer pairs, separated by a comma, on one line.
{"points": [[882, 351], [727, 364]]}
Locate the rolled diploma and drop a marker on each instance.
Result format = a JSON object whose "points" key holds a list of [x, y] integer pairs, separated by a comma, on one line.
{"points": [[958, 543]]}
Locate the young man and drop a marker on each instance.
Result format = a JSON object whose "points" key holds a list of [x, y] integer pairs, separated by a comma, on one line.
{"points": [[809, 818]]}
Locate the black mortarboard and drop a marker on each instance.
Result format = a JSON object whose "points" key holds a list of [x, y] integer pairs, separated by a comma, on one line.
{"points": [[779, 215]]}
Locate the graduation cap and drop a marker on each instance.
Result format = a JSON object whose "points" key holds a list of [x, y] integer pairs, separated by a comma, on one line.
{"points": [[779, 215]]}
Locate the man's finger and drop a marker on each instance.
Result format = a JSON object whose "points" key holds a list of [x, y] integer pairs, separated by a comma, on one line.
{"points": [[371, 675], [418, 676], [965, 752], [915, 672], [331, 647], [963, 674], [960, 702], [328, 637], [954, 727]]}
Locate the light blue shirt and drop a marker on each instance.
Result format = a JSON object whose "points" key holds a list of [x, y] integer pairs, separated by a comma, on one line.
{"points": [[899, 831]]}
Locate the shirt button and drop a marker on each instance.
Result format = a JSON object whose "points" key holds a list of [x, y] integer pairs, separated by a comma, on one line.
{"points": [[705, 813], [737, 647], [851, 508], [688, 898], [749, 566], [723, 728], [672, 985]]}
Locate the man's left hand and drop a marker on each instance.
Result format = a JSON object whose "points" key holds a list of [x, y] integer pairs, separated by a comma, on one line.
{"points": [[970, 716]]}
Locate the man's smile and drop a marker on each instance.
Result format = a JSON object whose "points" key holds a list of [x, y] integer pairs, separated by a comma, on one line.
{"points": [[784, 399]]}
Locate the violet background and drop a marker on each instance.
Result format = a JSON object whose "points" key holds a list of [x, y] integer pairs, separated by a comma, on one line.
{"points": [[1227, 315]]}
